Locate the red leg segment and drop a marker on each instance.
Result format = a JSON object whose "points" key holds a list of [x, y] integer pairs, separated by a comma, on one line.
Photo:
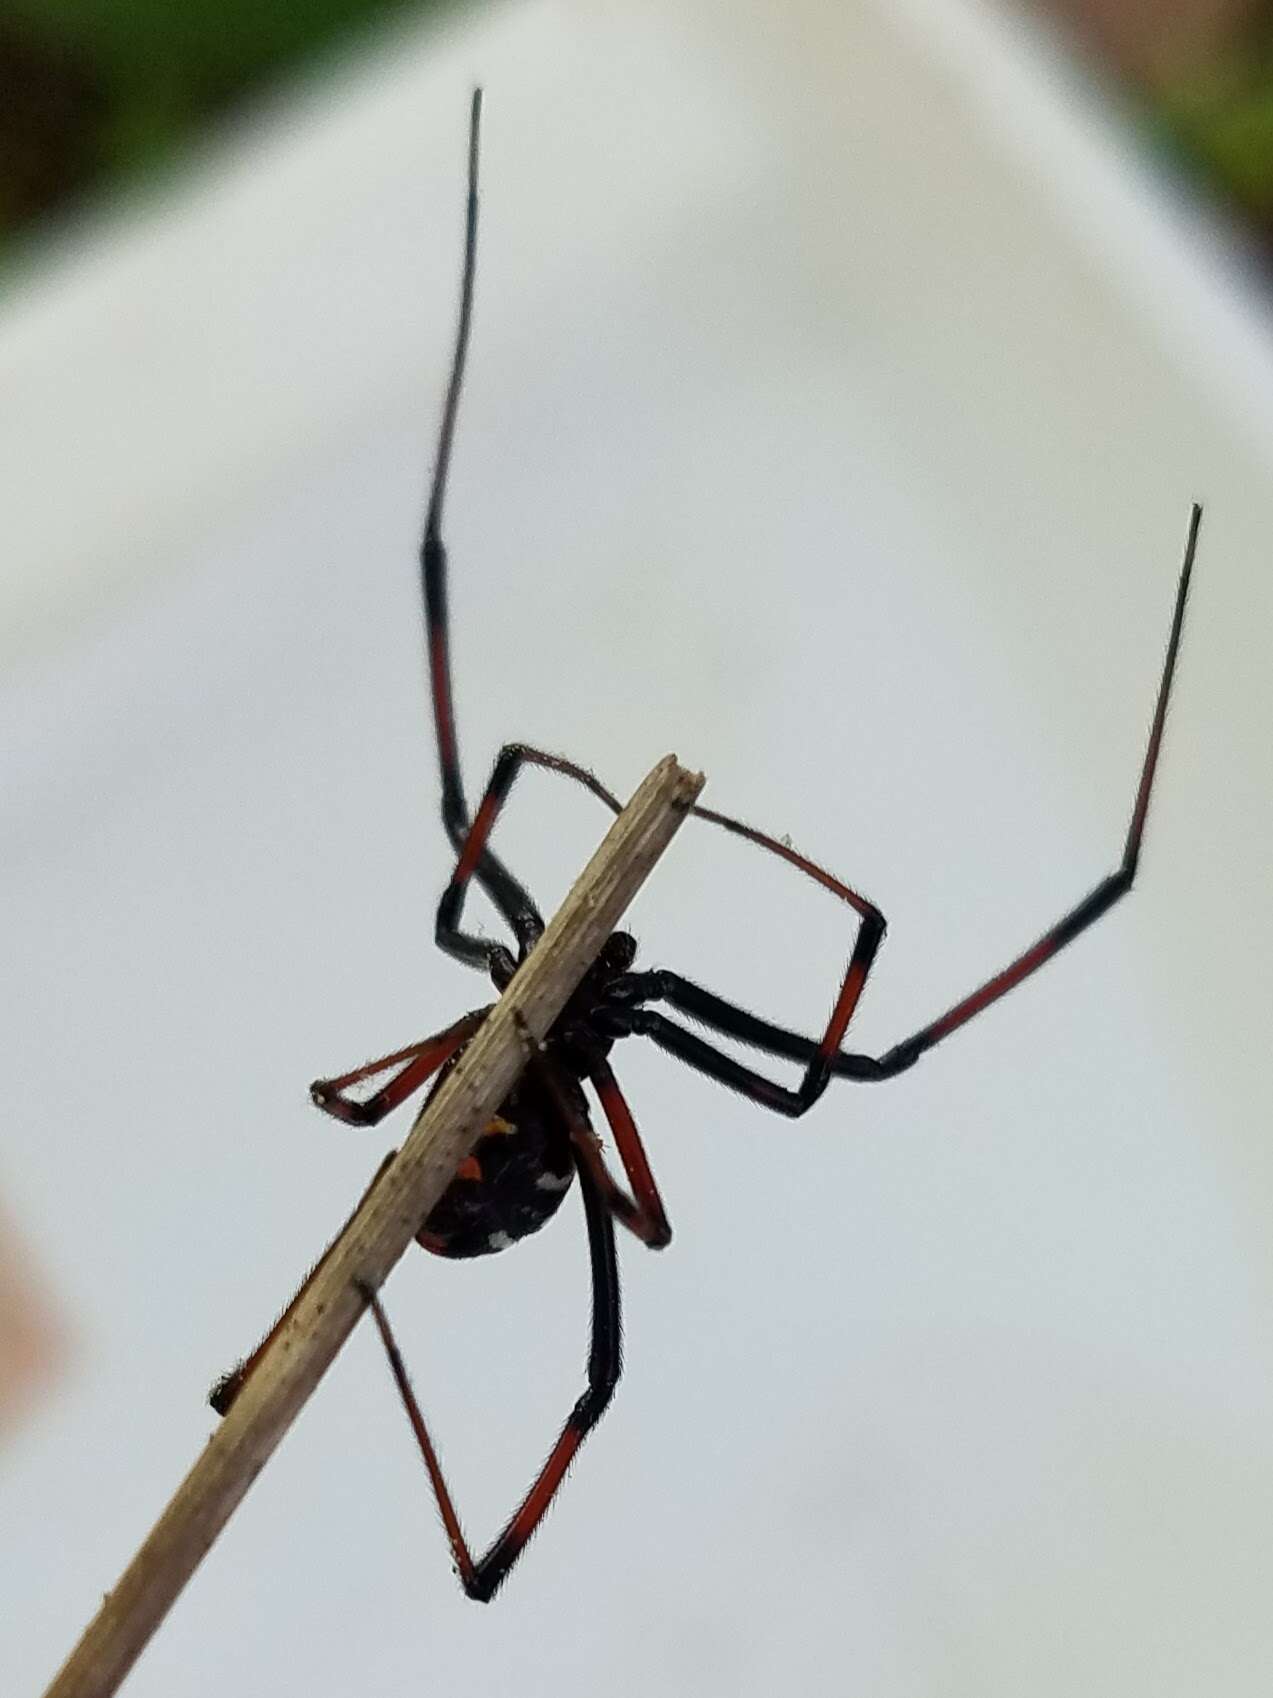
{"points": [[482, 1576], [508, 895], [419, 1063], [1105, 894], [725, 1017], [642, 1212], [821, 1059]]}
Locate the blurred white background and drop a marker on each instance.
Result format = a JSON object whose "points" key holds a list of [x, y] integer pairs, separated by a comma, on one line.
{"points": [[840, 385]]}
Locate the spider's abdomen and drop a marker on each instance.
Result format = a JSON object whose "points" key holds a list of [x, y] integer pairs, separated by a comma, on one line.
{"points": [[512, 1183]]}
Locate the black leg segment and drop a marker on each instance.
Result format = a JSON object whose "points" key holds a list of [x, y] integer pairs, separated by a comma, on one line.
{"points": [[509, 897], [481, 1578], [722, 1016]]}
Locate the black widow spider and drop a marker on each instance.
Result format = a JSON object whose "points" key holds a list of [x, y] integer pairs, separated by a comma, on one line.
{"points": [[529, 1153]]}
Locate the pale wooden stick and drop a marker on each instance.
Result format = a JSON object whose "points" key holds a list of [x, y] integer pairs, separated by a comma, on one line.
{"points": [[380, 1230]]}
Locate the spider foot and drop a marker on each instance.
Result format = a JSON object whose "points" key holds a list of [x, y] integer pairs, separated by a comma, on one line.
{"points": [[326, 1096]]}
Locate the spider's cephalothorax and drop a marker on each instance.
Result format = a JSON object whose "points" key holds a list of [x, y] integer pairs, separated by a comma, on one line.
{"points": [[525, 1160], [579, 1036]]}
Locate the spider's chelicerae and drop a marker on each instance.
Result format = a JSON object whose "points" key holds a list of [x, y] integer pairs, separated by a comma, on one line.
{"points": [[541, 1139]]}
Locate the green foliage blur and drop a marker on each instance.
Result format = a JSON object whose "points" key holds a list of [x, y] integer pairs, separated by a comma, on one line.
{"points": [[1218, 116], [95, 90]]}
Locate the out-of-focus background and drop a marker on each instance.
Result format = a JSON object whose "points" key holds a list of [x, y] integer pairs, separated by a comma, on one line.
{"points": [[94, 96], [842, 377]]}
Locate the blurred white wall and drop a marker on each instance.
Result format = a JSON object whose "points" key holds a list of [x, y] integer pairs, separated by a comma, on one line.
{"points": [[840, 385]]}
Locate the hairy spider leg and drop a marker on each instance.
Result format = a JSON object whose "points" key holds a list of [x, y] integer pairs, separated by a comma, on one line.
{"points": [[512, 900], [642, 1213], [482, 1577], [819, 1058], [421, 1061], [725, 1017], [467, 946]]}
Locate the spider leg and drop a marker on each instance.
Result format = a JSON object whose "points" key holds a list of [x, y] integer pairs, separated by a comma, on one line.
{"points": [[416, 1064], [419, 1062], [819, 1058], [642, 1212], [529, 756], [704, 1006], [724, 1016], [524, 917], [1101, 898], [526, 921], [513, 902], [481, 1577], [706, 1058]]}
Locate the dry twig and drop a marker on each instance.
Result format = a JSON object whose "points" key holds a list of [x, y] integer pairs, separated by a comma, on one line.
{"points": [[380, 1230]]}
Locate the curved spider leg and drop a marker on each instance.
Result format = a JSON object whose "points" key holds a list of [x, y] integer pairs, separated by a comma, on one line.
{"points": [[623, 1022], [642, 1212], [525, 920], [467, 946], [661, 984], [419, 1063], [623, 1016], [714, 1011], [508, 895], [1099, 900], [819, 1058], [481, 1577]]}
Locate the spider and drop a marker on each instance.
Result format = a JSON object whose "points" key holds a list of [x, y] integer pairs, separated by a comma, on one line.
{"points": [[541, 1139]]}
